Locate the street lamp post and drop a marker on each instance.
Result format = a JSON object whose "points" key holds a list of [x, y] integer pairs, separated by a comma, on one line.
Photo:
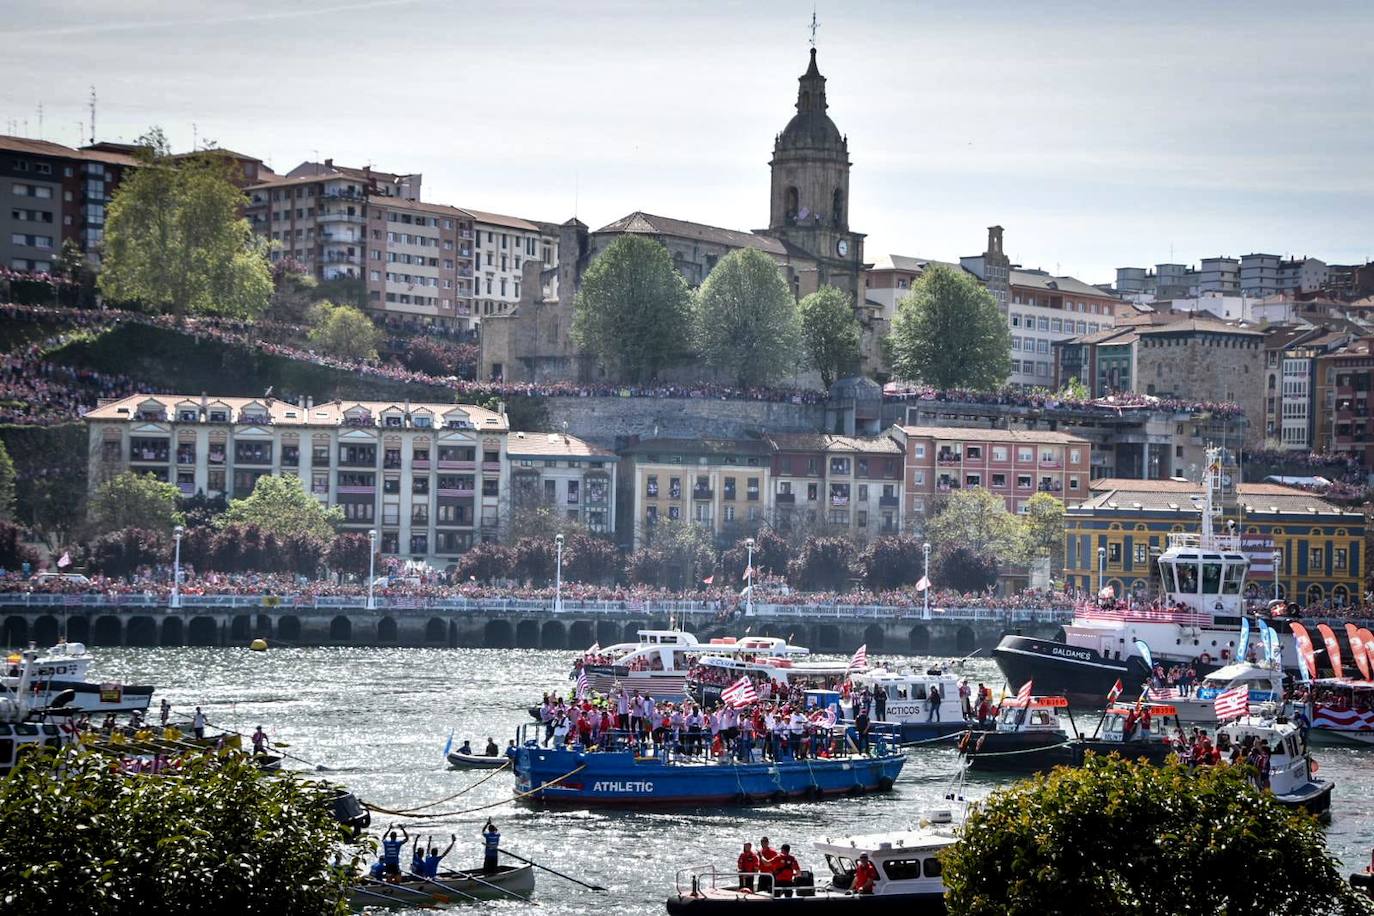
{"points": [[1101, 569], [371, 566], [177, 532], [749, 570], [1278, 567], [558, 576], [925, 593]]}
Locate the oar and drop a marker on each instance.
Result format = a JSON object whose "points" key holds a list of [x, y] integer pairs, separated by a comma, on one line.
{"points": [[395, 887], [367, 893], [496, 887], [451, 890], [593, 887]]}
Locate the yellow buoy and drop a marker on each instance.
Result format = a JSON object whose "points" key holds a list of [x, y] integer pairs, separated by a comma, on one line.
{"points": [[258, 645]]}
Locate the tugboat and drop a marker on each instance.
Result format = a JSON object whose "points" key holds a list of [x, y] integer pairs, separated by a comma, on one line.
{"points": [[64, 668], [1292, 771], [1197, 622], [620, 777], [908, 880]]}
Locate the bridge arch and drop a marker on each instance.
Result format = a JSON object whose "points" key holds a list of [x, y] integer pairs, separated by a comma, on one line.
{"points": [[386, 631], [918, 640], [263, 627], [107, 631], [341, 629], [874, 637], [607, 633], [632, 629], [203, 631], [498, 634], [553, 635], [16, 631], [173, 631], [436, 631], [527, 634], [965, 640], [79, 629], [241, 629], [46, 631], [289, 629], [141, 631], [580, 634], [827, 638]]}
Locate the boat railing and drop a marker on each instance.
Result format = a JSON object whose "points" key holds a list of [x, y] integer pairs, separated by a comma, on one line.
{"points": [[1145, 615], [693, 880], [1192, 540]]}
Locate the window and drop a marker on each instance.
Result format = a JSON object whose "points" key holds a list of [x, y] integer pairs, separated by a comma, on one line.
{"points": [[1338, 556], [1139, 554], [752, 489], [651, 485], [1315, 557], [729, 487], [999, 480], [999, 453], [491, 487], [1114, 553]]}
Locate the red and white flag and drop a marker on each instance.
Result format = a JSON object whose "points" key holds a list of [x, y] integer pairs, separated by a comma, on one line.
{"points": [[1024, 694], [65, 560], [1233, 703], [749, 573], [595, 648], [860, 659], [709, 579], [1161, 694], [583, 688], [1115, 691], [740, 694], [923, 584]]}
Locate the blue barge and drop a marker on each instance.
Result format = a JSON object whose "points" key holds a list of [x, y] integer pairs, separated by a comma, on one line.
{"points": [[620, 778]]}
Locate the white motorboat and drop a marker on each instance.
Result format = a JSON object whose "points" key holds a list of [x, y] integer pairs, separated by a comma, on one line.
{"points": [[1292, 772], [1263, 680], [658, 665], [907, 711], [65, 667], [781, 672], [24, 724]]}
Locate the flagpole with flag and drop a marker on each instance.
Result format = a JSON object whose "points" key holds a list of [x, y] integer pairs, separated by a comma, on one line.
{"points": [[448, 745], [859, 660]]}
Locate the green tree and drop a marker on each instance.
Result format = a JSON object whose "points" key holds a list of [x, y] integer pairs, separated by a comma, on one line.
{"points": [[634, 310], [7, 477], [823, 564], [1043, 531], [745, 321], [486, 563], [120, 553], [1120, 838], [294, 291], [588, 558], [81, 836], [343, 331], [977, 518], [175, 240], [349, 553], [963, 569], [949, 333], [132, 500], [831, 333], [281, 506], [892, 561], [680, 553]]}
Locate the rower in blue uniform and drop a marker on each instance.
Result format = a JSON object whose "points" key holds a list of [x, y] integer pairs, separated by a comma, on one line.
{"points": [[391, 851], [491, 842], [435, 857]]}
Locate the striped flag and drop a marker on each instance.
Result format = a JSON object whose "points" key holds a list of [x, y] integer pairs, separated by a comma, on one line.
{"points": [[1115, 691], [740, 694], [582, 686], [1233, 703], [1024, 694], [1161, 694], [860, 659]]}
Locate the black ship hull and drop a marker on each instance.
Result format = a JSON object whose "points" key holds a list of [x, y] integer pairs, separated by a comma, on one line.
{"points": [[1083, 675]]}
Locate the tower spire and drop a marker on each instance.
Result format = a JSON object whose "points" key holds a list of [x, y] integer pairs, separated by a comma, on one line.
{"points": [[814, 26]]}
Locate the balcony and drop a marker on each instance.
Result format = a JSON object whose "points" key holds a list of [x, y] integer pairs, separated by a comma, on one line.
{"points": [[258, 459], [187, 489], [465, 234], [889, 502], [357, 462], [356, 490], [148, 456], [491, 467], [839, 501], [702, 493], [456, 492], [342, 195], [186, 457], [420, 464], [947, 458], [1051, 463], [447, 465], [334, 216], [785, 499]]}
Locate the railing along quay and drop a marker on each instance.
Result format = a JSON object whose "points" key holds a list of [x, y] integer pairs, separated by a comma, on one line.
{"points": [[569, 607]]}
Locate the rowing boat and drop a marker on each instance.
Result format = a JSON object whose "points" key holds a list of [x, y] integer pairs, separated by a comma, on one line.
{"points": [[450, 887]]}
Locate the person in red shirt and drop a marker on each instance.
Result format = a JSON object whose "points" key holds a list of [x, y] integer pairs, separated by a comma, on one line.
{"points": [[864, 876], [747, 863], [768, 864], [787, 870]]}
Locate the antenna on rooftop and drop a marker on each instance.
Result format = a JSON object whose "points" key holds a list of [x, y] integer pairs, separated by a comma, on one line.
{"points": [[40, 120], [92, 114], [195, 136]]}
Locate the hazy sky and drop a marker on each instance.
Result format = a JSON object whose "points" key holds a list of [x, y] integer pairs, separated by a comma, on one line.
{"points": [[1099, 134]]}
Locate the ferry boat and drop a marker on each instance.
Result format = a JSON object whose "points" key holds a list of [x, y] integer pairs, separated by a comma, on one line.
{"points": [[1292, 772], [906, 714], [1203, 583], [1263, 681], [658, 664], [909, 879], [1342, 711], [621, 778], [713, 673], [65, 667], [1030, 736], [25, 725]]}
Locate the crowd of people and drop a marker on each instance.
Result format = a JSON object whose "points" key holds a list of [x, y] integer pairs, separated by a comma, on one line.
{"points": [[1118, 403]]}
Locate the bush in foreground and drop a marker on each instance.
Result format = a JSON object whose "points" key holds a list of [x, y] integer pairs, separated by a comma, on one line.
{"points": [[78, 837], [1117, 838]]}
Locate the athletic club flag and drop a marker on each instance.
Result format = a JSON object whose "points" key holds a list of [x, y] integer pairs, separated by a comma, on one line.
{"points": [[582, 686], [860, 659], [65, 560], [923, 584], [1115, 691], [1233, 703], [741, 693]]}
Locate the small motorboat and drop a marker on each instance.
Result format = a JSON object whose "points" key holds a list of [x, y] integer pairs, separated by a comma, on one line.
{"points": [[1292, 771], [1264, 682], [909, 879], [460, 761], [1030, 736], [505, 883], [1342, 711], [64, 667]]}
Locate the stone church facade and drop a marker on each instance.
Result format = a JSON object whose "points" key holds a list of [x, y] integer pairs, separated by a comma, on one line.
{"points": [[808, 235]]}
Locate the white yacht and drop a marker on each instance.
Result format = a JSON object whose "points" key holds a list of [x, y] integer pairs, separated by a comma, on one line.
{"points": [[658, 665], [65, 667], [1292, 773], [1263, 681]]}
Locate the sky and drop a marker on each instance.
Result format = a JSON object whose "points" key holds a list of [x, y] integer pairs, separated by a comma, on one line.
{"points": [[1100, 135]]}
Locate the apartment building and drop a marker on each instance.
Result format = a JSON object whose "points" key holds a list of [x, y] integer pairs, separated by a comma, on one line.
{"points": [[51, 193], [1013, 464], [502, 247], [430, 478], [888, 280], [845, 483], [1342, 403], [722, 485], [1046, 310], [566, 474], [419, 261]]}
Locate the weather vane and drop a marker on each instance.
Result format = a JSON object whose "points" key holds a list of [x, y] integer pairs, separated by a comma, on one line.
{"points": [[814, 25]]}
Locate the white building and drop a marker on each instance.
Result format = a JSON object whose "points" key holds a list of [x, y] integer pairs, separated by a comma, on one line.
{"points": [[564, 473], [502, 247], [429, 478], [1045, 309]]}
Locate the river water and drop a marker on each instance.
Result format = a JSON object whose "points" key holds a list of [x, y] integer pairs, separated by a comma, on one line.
{"points": [[377, 720]]}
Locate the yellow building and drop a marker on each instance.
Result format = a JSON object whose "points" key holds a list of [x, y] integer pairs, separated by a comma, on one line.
{"points": [[1112, 538], [721, 484]]}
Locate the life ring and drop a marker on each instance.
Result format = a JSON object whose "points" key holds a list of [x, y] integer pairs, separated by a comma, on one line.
{"points": [[1316, 767]]}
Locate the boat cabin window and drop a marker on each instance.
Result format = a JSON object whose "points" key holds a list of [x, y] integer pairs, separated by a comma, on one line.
{"points": [[839, 865], [902, 869], [1187, 578], [918, 692], [932, 867], [1235, 578], [1211, 578]]}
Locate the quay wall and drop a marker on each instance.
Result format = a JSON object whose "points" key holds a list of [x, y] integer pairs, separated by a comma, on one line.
{"points": [[611, 421], [494, 628]]}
